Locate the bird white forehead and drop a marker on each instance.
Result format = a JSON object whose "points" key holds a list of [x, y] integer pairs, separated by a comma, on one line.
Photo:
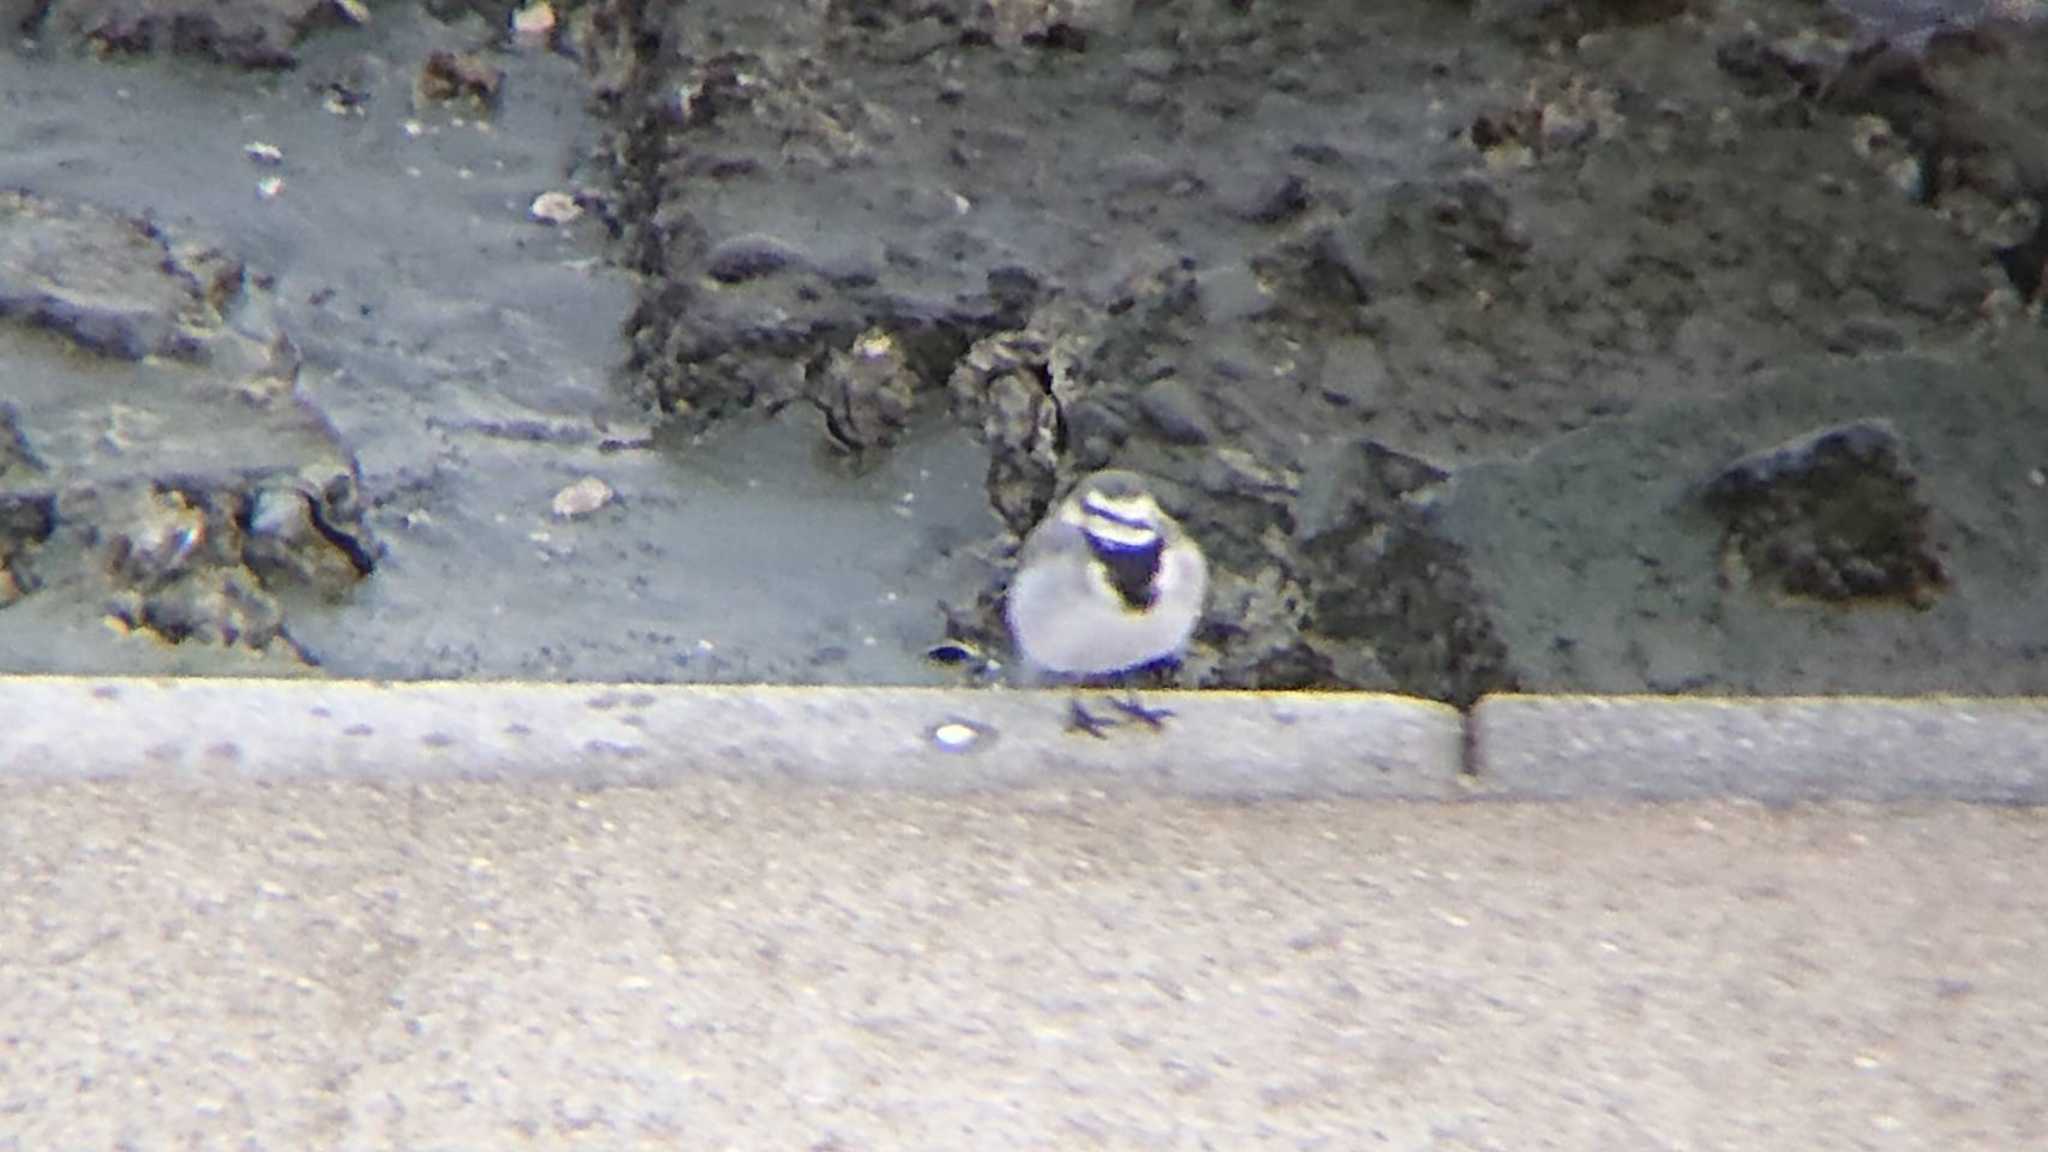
{"points": [[1118, 519], [1124, 507], [1119, 534]]}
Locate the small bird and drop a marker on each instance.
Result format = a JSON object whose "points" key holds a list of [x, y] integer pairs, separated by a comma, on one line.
{"points": [[1106, 584]]}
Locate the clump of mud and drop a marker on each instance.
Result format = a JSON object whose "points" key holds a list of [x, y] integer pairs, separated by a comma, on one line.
{"points": [[1832, 516], [157, 464], [211, 563]]}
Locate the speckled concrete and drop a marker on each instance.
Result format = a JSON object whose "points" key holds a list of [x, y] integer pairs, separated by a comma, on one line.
{"points": [[710, 964], [1236, 744], [1775, 750]]}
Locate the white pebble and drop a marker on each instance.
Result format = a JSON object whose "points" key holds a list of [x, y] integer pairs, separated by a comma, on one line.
{"points": [[582, 498]]}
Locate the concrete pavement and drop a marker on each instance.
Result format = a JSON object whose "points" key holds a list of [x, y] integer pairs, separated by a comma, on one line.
{"points": [[199, 952], [1248, 745]]}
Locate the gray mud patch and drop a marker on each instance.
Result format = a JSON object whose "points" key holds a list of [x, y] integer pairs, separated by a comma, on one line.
{"points": [[1483, 347], [346, 462], [1642, 555]]}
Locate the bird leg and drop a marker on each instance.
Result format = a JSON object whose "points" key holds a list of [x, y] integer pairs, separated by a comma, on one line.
{"points": [[1080, 719]]}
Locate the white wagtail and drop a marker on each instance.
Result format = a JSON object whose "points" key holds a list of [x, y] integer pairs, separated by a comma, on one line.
{"points": [[1106, 584]]}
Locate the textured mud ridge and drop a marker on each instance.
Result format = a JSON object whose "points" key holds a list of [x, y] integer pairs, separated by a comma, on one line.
{"points": [[212, 495], [1543, 346]]}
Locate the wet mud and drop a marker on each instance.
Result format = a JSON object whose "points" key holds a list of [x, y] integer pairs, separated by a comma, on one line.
{"points": [[1491, 346]]}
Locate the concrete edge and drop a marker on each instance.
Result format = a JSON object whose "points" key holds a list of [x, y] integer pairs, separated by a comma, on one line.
{"points": [[1776, 750], [943, 740], [1225, 744]]}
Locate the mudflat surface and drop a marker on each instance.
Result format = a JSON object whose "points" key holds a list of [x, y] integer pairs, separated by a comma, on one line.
{"points": [[1550, 347], [459, 362], [371, 966]]}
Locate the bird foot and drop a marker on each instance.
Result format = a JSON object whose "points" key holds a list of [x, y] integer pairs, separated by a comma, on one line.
{"points": [[1080, 719], [1153, 718]]}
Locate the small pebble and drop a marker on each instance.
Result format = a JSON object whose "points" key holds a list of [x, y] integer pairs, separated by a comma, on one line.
{"points": [[957, 735], [281, 515], [533, 23], [555, 208], [582, 498]]}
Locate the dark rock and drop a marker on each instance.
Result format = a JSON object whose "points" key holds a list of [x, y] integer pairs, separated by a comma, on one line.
{"points": [[1270, 199], [26, 518], [1095, 428], [1015, 290], [1832, 516], [2026, 263], [26, 521], [1863, 441], [1060, 36], [1176, 410], [750, 256], [1341, 253]]}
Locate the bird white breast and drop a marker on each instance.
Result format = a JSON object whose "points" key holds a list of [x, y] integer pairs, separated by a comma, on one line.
{"points": [[1063, 626]]}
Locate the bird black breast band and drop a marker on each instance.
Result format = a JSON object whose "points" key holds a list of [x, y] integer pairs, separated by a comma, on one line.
{"points": [[1133, 569]]}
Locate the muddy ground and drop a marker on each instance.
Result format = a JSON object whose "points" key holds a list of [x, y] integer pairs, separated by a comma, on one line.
{"points": [[1507, 345]]}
